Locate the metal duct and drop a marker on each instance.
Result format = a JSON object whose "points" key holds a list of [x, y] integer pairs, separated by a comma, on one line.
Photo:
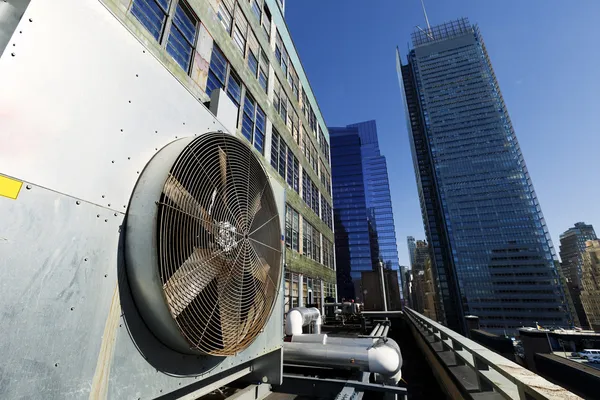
{"points": [[302, 316], [382, 357]]}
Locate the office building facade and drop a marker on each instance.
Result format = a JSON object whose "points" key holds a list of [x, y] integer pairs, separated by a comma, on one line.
{"points": [[571, 250], [352, 232], [243, 49], [355, 147], [492, 254], [590, 283]]}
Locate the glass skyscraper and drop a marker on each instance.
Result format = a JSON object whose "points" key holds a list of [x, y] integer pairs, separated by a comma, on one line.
{"points": [[491, 250], [360, 182], [572, 249]]}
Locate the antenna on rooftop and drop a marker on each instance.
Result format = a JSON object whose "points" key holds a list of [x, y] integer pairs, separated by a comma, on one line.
{"points": [[426, 21]]}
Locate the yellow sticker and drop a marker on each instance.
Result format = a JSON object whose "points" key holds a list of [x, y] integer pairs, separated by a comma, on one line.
{"points": [[10, 187]]}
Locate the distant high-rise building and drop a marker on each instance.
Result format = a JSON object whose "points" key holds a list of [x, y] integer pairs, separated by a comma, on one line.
{"points": [[352, 235], [572, 249], [492, 255], [421, 254], [349, 194], [590, 282], [410, 241]]}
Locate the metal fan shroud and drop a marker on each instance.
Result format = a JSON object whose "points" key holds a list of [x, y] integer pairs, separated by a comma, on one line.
{"points": [[217, 246]]}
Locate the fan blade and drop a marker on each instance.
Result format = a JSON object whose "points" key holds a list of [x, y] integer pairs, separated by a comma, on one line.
{"points": [[223, 165], [175, 191], [254, 208], [229, 310], [190, 279], [261, 272]]}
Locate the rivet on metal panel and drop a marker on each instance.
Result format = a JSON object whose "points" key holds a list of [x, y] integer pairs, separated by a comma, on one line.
{"points": [[129, 158], [136, 75], [155, 131], [121, 130], [14, 44], [85, 259], [56, 365], [102, 196], [175, 137], [20, 31], [72, 308], [143, 51], [13, 54], [109, 204], [30, 19], [97, 215], [113, 161], [78, 202], [115, 214], [184, 123], [129, 101], [106, 275], [137, 172], [28, 187], [105, 220], [124, 206]]}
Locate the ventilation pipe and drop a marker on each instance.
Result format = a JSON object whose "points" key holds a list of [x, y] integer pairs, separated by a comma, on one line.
{"points": [[301, 316], [377, 356]]}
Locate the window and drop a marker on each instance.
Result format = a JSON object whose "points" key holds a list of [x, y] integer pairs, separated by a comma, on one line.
{"points": [[280, 100], [325, 177], [234, 88], [181, 39], [284, 161], [152, 14], [293, 124], [323, 144], [224, 14], [292, 227], [254, 123], [217, 70], [310, 151], [310, 193], [328, 253], [326, 215], [294, 81], [311, 241], [253, 54], [240, 32], [266, 21], [180, 44], [263, 71], [256, 9]]}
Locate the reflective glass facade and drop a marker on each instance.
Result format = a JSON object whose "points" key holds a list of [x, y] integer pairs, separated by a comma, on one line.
{"points": [[352, 241], [375, 190], [491, 250]]}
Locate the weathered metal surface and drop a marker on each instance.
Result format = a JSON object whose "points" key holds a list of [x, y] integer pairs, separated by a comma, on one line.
{"points": [[78, 135], [99, 111]]}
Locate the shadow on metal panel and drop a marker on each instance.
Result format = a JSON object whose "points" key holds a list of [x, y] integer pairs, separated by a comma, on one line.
{"points": [[161, 357]]}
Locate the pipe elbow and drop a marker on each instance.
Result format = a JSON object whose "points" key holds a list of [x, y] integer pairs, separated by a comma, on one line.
{"points": [[294, 322], [385, 359]]}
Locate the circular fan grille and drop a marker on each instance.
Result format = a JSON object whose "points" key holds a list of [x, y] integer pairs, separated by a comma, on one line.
{"points": [[219, 244]]}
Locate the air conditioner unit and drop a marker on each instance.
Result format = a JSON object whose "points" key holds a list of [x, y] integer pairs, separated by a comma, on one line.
{"points": [[140, 242]]}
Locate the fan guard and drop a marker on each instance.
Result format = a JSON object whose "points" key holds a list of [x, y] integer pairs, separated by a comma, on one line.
{"points": [[218, 247]]}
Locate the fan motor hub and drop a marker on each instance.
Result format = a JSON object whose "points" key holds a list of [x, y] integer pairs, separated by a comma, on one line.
{"points": [[226, 236]]}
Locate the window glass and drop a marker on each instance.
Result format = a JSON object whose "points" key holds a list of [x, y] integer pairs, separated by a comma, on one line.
{"points": [[152, 14]]}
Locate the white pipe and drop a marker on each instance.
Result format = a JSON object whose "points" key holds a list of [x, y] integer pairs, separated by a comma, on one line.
{"points": [[301, 316], [385, 331], [381, 357], [379, 331], [374, 331]]}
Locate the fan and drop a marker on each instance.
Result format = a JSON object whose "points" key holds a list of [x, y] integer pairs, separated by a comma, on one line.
{"points": [[218, 246]]}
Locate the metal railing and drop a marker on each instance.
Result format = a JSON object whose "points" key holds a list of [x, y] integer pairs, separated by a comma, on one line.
{"points": [[479, 370]]}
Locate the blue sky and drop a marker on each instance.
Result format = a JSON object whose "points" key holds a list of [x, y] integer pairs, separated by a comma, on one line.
{"points": [[545, 56]]}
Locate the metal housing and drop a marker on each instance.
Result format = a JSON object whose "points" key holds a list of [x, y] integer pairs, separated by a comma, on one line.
{"points": [[83, 108]]}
